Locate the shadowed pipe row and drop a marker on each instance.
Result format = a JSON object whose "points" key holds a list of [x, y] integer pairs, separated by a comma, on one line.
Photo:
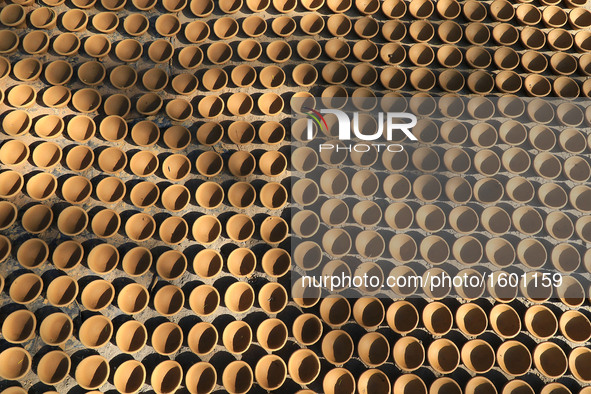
{"points": [[337, 348]]}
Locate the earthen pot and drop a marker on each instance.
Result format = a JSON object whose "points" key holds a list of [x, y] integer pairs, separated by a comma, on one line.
{"points": [[16, 363], [36, 42], [25, 288], [12, 183], [95, 331], [105, 22], [86, 100], [167, 25], [62, 291], [37, 218], [137, 261], [123, 77], [75, 20], [13, 15], [14, 152], [53, 367], [72, 221], [136, 24], [283, 26], [21, 96], [505, 34], [27, 69], [206, 229], [46, 155], [149, 104], [10, 41], [155, 79], [92, 372], [67, 255], [97, 46], [128, 50], [41, 186], [160, 51], [210, 106]]}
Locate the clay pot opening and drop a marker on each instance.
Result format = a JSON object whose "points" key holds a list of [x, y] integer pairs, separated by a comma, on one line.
{"points": [[532, 38], [209, 195], [10, 41], [219, 53], [14, 152], [21, 96], [202, 338], [449, 32], [167, 376], [241, 163], [201, 8], [575, 326], [19, 326], [128, 50], [137, 261], [103, 258], [443, 355], [273, 195], [129, 377], [140, 227], [86, 100], [136, 24], [41, 186], [171, 264], [205, 299], [339, 25], [471, 319], [97, 295], [169, 300], [105, 22], [145, 194], [16, 363], [27, 69], [201, 378], [283, 26], [303, 366], [528, 15], [239, 297], [149, 104], [166, 339], [131, 336], [97, 46], [92, 372], [56, 329], [56, 97], [160, 51], [76, 189], [53, 367], [35, 220], [95, 331]]}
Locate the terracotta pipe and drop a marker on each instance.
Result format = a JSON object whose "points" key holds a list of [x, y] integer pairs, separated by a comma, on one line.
{"points": [[131, 336]]}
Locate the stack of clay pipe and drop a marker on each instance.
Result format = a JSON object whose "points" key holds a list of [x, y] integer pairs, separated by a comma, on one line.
{"points": [[143, 182]]}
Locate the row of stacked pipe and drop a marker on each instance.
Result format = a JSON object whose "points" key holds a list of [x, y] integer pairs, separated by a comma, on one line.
{"points": [[408, 352]]}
